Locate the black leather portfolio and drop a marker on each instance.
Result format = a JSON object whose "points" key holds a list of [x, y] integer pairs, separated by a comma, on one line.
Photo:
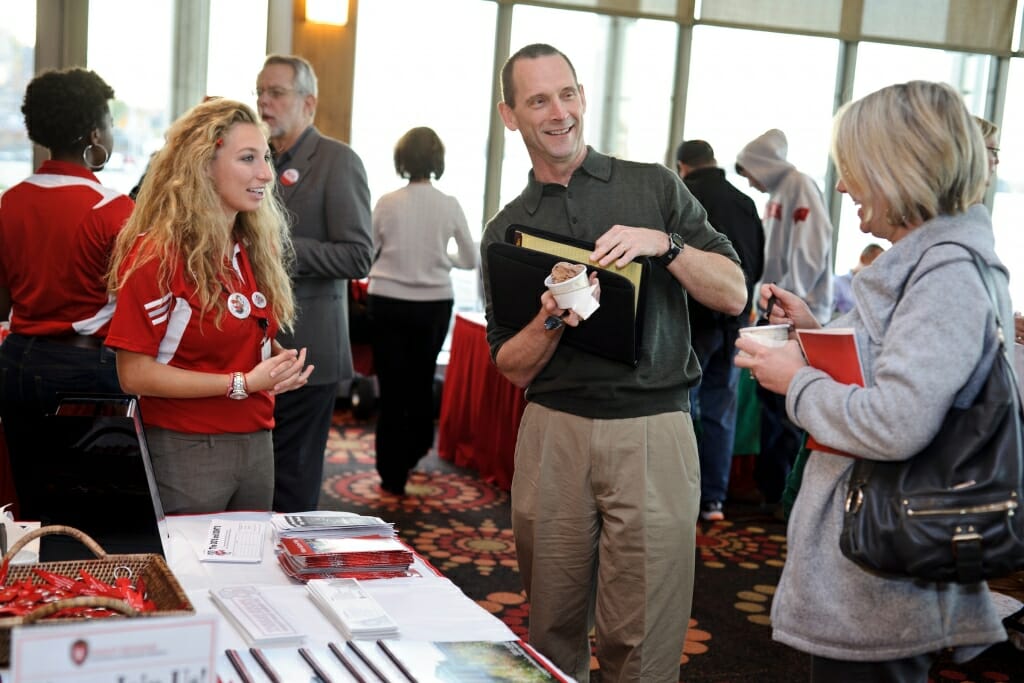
{"points": [[517, 269]]}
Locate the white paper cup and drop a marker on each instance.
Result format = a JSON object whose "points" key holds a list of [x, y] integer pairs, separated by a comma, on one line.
{"points": [[576, 293], [768, 335]]}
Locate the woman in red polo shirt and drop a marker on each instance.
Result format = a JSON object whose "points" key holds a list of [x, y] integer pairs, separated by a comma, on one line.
{"points": [[201, 292], [57, 229]]}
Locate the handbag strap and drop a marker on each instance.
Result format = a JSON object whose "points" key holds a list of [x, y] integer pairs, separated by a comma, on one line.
{"points": [[985, 272]]}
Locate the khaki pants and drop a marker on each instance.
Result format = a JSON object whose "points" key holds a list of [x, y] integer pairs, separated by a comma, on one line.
{"points": [[604, 514]]}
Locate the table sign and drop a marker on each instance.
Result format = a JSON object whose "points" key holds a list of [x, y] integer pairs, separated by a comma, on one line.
{"points": [[144, 649]]}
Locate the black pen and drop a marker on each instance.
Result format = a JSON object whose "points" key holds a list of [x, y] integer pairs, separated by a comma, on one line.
{"points": [[347, 663], [239, 665], [314, 665], [366, 660], [264, 663], [396, 661]]}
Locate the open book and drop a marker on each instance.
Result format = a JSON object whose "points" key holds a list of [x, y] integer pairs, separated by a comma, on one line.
{"points": [[833, 350]]}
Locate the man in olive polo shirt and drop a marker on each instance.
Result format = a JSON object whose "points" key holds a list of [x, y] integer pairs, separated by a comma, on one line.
{"points": [[607, 483]]}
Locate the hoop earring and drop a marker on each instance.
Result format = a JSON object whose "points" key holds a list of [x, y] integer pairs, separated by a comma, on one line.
{"points": [[89, 164]]}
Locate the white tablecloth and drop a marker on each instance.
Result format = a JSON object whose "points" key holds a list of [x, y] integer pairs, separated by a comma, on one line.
{"points": [[426, 607]]}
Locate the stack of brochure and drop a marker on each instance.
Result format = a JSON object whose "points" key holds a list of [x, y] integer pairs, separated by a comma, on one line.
{"points": [[259, 622], [351, 609], [325, 524], [363, 558]]}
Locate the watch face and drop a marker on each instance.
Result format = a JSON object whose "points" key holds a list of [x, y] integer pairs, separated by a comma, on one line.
{"points": [[677, 241]]}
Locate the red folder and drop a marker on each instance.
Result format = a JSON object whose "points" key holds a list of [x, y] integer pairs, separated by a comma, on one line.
{"points": [[833, 350]]}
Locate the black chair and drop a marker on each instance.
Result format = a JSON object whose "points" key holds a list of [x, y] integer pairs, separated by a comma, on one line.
{"points": [[90, 469]]}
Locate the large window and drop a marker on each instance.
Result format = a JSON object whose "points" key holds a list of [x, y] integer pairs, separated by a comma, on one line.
{"points": [[742, 84], [17, 62], [1008, 208], [232, 65], [142, 105], [408, 75]]}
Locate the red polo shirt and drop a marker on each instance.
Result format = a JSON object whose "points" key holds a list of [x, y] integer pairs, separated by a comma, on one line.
{"points": [[166, 324], [57, 229]]}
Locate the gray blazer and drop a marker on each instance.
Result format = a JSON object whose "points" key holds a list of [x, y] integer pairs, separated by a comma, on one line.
{"points": [[329, 207]]}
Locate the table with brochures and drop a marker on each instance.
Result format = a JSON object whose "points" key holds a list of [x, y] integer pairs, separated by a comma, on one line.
{"points": [[426, 607], [443, 635]]}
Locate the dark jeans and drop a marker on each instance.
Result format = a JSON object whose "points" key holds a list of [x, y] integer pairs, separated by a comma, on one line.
{"points": [[908, 670], [302, 422], [780, 443], [33, 371], [713, 405], [407, 336]]}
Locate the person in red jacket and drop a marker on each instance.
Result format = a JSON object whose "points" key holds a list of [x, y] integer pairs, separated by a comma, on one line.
{"points": [[57, 229], [202, 290]]}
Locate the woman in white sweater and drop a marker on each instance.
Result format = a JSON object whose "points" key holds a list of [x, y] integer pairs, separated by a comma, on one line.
{"points": [[410, 301]]}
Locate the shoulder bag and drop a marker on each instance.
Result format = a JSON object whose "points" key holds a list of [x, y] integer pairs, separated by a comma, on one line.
{"points": [[951, 512]]}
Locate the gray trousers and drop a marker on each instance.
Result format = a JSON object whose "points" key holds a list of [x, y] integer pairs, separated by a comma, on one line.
{"points": [[202, 473], [604, 514]]}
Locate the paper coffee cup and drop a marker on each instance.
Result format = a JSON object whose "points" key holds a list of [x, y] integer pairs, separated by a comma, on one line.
{"points": [[576, 293], [768, 335]]}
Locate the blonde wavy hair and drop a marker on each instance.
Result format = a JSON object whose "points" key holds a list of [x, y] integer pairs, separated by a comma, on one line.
{"points": [[179, 212], [915, 146]]}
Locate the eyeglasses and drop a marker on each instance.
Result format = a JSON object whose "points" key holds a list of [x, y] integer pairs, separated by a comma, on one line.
{"points": [[275, 92]]}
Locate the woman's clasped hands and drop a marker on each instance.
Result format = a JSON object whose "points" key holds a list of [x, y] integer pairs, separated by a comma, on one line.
{"points": [[282, 372]]}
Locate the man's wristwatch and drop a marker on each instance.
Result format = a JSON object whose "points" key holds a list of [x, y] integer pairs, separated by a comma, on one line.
{"points": [[238, 390], [675, 247]]}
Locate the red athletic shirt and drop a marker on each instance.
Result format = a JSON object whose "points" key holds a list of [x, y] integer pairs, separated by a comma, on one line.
{"points": [[57, 230], [166, 324]]}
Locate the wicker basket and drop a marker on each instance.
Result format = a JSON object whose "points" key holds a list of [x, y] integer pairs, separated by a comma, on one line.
{"points": [[161, 586]]}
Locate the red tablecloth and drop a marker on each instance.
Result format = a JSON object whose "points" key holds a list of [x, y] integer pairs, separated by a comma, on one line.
{"points": [[480, 409]]}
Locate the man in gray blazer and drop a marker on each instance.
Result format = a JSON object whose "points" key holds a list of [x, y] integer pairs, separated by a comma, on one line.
{"points": [[322, 183]]}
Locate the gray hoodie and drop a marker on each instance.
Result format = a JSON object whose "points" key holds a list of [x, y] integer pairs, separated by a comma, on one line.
{"points": [[919, 354], [798, 233]]}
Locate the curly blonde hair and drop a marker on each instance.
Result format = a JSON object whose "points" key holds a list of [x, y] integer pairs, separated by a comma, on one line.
{"points": [[178, 210]]}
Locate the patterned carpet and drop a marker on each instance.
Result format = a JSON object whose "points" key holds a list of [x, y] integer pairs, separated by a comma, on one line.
{"points": [[462, 526]]}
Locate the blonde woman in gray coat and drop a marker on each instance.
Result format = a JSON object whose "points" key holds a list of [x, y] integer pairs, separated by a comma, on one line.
{"points": [[914, 163]]}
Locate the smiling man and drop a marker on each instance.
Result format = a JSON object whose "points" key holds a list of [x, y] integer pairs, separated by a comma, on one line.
{"points": [[607, 483], [322, 184]]}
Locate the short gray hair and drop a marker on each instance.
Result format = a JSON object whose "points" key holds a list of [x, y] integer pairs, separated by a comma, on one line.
{"points": [[305, 77]]}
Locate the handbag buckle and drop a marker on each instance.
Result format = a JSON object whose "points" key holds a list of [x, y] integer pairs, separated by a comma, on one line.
{"points": [[854, 499]]}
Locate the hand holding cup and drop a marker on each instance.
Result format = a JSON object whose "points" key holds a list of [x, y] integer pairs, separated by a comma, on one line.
{"points": [[571, 287]]}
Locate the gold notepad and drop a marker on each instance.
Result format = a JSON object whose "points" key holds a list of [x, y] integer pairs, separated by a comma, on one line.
{"points": [[632, 271]]}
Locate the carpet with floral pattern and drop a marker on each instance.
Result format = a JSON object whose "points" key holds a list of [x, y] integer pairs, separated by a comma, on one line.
{"points": [[462, 526]]}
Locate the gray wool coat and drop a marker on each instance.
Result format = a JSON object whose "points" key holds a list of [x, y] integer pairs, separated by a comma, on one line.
{"points": [[920, 354]]}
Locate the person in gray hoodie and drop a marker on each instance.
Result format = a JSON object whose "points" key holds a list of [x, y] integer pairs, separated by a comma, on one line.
{"points": [[798, 258], [914, 163]]}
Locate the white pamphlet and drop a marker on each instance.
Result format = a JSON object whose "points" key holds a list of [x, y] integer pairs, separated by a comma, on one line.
{"points": [[259, 622], [351, 609], [233, 541]]}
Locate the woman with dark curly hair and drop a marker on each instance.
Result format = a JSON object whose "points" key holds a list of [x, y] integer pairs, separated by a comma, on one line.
{"points": [[57, 230], [410, 301]]}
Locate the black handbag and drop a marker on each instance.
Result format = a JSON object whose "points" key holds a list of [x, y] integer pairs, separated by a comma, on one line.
{"points": [[952, 511]]}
